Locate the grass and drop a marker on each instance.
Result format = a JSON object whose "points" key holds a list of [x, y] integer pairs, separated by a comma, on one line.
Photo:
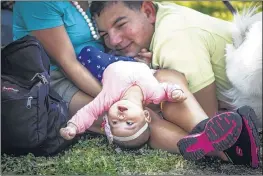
{"points": [[93, 156], [218, 9]]}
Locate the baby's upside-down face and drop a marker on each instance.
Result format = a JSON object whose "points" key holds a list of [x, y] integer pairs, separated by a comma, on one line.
{"points": [[126, 118]]}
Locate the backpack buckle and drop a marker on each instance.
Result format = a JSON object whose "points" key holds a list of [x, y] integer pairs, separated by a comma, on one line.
{"points": [[41, 77]]}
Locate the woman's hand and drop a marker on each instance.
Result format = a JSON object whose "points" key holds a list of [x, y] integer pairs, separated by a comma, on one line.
{"points": [[144, 56]]}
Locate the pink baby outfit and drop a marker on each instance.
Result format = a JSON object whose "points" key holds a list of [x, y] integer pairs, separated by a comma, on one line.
{"points": [[118, 77]]}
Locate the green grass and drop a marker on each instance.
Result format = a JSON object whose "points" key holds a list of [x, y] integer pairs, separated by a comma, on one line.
{"points": [[218, 9], [95, 157]]}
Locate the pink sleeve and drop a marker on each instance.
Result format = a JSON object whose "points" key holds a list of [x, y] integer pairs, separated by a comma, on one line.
{"points": [[154, 91], [85, 117], [165, 92]]}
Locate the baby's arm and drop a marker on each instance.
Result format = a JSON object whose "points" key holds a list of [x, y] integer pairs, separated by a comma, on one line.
{"points": [[85, 117], [69, 132], [157, 92], [167, 92]]}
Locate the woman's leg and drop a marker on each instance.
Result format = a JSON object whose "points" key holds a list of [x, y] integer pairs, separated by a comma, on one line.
{"points": [[231, 133], [74, 98], [186, 114], [164, 135]]}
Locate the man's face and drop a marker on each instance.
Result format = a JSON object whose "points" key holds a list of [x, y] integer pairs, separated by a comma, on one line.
{"points": [[126, 30]]}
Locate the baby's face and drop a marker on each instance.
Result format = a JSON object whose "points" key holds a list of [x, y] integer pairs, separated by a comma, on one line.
{"points": [[126, 118]]}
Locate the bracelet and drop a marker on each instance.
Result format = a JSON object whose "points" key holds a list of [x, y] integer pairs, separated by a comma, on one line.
{"points": [[102, 126], [161, 105]]}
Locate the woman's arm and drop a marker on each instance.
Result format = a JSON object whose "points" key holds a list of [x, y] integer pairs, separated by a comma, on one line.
{"points": [[186, 114], [59, 47]]}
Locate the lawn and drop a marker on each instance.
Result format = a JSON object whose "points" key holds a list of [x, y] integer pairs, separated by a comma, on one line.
{"points": [[218, 9], [93, 156]]}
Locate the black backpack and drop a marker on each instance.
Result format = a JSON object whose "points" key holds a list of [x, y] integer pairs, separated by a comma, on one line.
{"points": [[32, 113]]}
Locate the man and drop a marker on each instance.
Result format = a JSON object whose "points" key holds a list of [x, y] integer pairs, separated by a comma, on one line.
{"points": [[180, 39]]}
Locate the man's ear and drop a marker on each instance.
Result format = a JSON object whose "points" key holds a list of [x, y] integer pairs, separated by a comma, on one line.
{"points": [[149, 10], [147, 116]]}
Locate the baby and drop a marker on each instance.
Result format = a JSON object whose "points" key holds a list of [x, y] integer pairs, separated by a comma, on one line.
{"points": [[127, 88]]}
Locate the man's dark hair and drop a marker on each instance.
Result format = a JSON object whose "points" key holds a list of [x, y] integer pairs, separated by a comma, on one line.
{"points": [[97, 6]]}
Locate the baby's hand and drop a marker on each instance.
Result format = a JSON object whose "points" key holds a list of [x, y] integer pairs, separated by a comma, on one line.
{"points": [[69, 132], [144, 56], [178, 95]]}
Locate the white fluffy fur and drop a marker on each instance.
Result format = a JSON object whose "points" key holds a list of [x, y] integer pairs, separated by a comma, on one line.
{"points": [[244, 61]]}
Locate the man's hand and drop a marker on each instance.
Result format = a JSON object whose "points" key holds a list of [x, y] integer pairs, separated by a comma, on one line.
{"points": [[144, 56]]}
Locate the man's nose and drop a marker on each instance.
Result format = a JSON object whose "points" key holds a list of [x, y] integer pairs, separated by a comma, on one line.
{"points": [[115, 39]]}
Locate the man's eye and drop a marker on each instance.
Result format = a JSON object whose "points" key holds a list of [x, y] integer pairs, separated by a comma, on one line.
{"points": [[120, 25], [129, 123], [103, 35]]}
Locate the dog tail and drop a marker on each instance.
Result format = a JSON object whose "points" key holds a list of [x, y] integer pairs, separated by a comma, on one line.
{"points": [[242, 23], [244, 61]]}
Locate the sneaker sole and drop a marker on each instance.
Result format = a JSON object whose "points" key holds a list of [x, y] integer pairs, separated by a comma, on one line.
{"points": [[220, 133], [250, 123]]}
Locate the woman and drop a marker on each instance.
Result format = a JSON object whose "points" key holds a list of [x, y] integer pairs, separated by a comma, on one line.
{"points": [[63, 31], [64, 28]]}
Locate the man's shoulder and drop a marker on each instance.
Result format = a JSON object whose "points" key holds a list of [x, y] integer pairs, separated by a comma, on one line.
{"points": [[170, 17]]}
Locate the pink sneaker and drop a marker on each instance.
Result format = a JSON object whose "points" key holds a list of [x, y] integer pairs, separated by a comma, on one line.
{"points": [[220, 133], [246, 150]]}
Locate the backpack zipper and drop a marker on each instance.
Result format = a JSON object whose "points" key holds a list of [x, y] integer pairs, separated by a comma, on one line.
{"points": [[28, 101], [28, 104]]}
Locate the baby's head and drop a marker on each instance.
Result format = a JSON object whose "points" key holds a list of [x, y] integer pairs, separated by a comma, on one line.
{"points": [[129, 124]]}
